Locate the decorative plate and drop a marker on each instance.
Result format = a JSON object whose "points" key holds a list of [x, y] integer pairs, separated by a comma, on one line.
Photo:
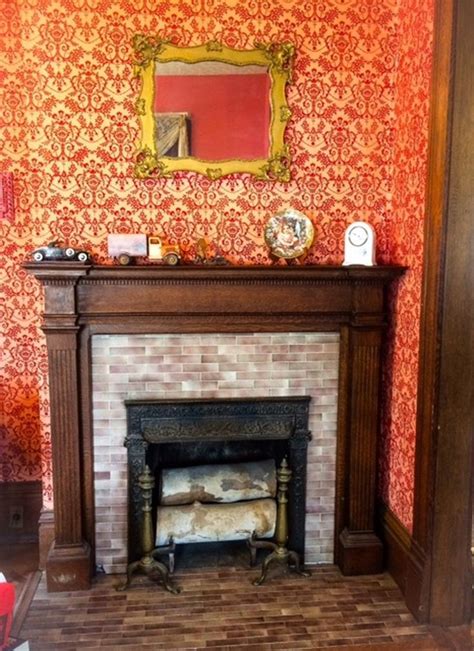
{"points": [[289, 234]]}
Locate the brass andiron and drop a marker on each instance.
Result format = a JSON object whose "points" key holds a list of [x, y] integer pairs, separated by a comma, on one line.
{"points": [[148, 564], [280, 552]]}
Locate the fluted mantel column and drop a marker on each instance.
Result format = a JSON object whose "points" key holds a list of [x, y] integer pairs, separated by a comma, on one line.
{"points": [[68, 565], [359, 550]]}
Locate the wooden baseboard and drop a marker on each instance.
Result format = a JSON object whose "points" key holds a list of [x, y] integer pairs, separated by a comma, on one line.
{"points": [[397, 544], [23, 601], [20, 505]]}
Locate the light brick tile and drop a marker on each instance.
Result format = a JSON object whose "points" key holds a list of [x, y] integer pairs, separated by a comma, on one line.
{"points": [[196, 358], [267, 385], [236, 384], [254, 358], [200, 367], [165, 348], [282, 391], [191, 385], [129, 350], [159, 388], [275, 349], [236, 379], [203, 350]]}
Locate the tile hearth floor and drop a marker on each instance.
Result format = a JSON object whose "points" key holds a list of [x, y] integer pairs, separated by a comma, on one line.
{"points": [[219, 609]]}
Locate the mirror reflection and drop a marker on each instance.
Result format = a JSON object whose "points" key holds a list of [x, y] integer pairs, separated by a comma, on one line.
{"points": [[212, 110]]}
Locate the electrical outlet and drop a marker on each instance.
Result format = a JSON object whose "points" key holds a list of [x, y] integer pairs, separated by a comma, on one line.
{"points": [[15, 520]]}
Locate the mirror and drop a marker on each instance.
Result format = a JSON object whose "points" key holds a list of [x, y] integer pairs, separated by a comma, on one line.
{"points": [[212, 109]]}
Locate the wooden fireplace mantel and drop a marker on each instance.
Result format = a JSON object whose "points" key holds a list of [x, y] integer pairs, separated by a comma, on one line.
{"points": [[82, 300]]}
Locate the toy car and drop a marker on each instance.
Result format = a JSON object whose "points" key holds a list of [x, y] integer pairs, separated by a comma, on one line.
{"points": [[55, 252], [126, 247]]}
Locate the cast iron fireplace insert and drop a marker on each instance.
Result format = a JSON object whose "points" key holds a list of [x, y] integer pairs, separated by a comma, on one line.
{"points": [[179, 433]]}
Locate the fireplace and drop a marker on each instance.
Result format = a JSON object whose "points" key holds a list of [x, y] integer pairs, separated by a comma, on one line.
{"points": [[180, 433], [211, 366], [84, 301]]}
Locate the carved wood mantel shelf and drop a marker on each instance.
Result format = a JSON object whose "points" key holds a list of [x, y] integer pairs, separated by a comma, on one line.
{"points": [[82, 300]]}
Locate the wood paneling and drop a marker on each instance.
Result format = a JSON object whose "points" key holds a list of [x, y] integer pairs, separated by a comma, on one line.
{"points": [[439, 572], [397, 543], [22, 499]]}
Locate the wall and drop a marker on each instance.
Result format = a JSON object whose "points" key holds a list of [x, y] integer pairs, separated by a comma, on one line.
{"points": [[405, 231], [68, 131], [229, 114]]}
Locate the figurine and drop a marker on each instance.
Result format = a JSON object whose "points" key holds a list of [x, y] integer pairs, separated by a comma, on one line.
{"points": [[209, 253]]}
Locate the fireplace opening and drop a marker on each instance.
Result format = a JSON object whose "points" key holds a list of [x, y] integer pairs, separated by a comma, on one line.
{"points": [[174, 434], [211, 366]]}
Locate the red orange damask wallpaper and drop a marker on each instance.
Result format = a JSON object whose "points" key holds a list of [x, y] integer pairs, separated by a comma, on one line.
{"points": [[405, 234], [67, 131]]}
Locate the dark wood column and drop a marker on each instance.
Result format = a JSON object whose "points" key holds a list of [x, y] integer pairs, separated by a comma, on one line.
{"points": [[68, 564], [359, 549], [439, 574]]}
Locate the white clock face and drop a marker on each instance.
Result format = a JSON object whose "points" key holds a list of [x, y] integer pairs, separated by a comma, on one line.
{"points": [[358, 236]]}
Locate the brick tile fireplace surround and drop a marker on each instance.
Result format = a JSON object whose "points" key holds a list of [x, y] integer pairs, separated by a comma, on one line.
{"points": [[211, 366], [119, 333]]}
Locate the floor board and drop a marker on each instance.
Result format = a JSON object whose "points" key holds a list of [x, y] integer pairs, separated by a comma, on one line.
{"points": [[219, 609]]}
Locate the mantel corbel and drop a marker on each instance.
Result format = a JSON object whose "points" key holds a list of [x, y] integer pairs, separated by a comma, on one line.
{"points": [[59, 280]]}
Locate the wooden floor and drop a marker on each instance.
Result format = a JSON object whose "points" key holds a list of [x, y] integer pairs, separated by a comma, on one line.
{"points": [[19, 564], [219, 609]]}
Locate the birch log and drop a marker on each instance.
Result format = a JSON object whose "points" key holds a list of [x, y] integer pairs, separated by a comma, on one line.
{"points": [[231, 482], [198, 522]]}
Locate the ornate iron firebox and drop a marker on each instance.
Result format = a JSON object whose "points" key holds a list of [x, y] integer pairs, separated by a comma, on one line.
{"points": [[174, 433]]}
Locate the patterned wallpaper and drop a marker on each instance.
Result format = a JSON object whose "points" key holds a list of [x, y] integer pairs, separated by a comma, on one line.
{"points": [[68, 130], [405, 235]]}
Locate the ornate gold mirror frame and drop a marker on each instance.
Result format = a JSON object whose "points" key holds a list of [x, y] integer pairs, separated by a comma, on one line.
{"points": [[277, 58]]}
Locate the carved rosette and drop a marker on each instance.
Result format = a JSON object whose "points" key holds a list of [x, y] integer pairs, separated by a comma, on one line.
{"points": [[214, 173], [140, 107], [277, 168], [147, 164], [147, 48], [214, 46], [285, 114], [280, 55]]}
